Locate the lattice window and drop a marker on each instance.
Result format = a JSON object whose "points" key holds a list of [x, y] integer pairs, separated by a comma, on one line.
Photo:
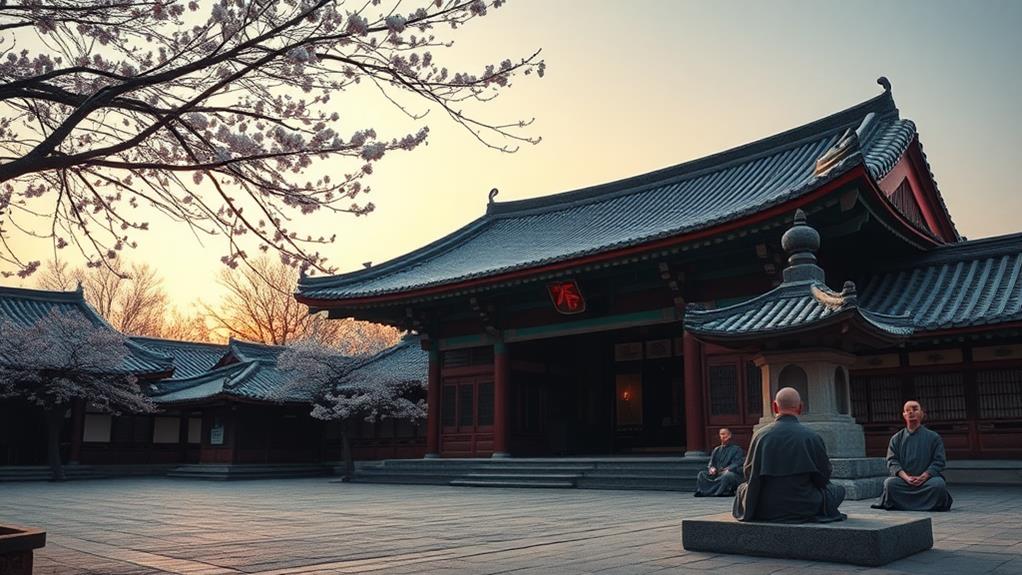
{"points": [[468, 356], [753, 390], [723, 389], [486, 403], [466, 417], [942, 396], [876, 398], [449, 408], [999, 393]]}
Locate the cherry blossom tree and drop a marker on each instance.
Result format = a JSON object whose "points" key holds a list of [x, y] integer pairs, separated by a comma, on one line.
{"points": [[226, 115], [63, 358], [343, 395]]}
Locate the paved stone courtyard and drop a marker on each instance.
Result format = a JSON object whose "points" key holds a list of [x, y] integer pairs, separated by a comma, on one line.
{"points": [[314, 526]]}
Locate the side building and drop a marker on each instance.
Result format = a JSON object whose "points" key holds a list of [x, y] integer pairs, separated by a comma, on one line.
{"points": [[216, 404], [556, 325]]}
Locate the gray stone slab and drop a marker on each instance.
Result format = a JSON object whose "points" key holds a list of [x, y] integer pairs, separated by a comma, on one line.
{"points": [[856, 467], [859, 540]]}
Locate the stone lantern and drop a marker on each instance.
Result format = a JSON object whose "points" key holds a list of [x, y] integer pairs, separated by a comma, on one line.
{"points": [[806, 336]]}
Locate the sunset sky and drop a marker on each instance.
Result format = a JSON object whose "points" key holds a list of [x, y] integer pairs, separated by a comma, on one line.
{"points": [[636, 86]]}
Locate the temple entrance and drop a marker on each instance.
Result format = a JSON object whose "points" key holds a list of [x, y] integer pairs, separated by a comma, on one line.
{"points": [[606, 393]]}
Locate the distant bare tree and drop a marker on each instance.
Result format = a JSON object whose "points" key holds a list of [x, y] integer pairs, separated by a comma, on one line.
{"points": [[132, 300], [188, 327], [260, 306], [57, 277]]}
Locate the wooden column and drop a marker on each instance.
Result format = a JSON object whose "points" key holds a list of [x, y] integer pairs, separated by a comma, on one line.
{"points": [[77, 431], [695, 428], [501, 385], [433, 403]]}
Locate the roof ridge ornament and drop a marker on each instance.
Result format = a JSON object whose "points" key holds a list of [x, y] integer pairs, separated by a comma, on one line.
{"points": [[848, 292], [845, 147], [883, 81], [493, 194], [801, 242]]}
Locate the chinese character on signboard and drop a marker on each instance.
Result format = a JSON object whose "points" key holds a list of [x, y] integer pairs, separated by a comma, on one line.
{"points": [[567, 297]]}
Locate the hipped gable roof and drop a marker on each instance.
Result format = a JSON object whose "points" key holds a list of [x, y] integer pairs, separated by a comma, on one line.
{"points": [[973, 283], [190, 358], [691, 196], [28, 306]]}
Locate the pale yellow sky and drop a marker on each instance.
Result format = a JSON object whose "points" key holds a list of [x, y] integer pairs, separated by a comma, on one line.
{"points": [[633, 87]]}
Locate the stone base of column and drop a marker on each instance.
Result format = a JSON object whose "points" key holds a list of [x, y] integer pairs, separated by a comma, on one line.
{"points": [[697, 455], [431, 456], [500, 455], [843, 437], [862, 477]]}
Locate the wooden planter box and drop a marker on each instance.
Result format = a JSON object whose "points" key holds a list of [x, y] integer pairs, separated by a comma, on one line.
{"points": [[16, 546]]}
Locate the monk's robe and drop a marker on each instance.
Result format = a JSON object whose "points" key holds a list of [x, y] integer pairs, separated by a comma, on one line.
{"points": [[915, 453], [728, 460], [788, 477]]}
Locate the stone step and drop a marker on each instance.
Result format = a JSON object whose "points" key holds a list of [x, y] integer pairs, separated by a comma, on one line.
{"points": [[403, 479], [642, 483], [244, 471], [513, 483], [522, 476]]}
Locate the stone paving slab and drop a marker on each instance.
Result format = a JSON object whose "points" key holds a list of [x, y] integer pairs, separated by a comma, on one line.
{"points": [[154, 526]]}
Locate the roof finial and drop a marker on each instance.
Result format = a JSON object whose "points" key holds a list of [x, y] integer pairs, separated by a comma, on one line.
{"points": [[801, 242], [80, 290], [367, 265], [883, 81], [493, 194]]}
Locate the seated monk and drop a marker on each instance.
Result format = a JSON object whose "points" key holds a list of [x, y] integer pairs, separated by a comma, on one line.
{"points": [[724, 471], [915, 458], [787, 471]]}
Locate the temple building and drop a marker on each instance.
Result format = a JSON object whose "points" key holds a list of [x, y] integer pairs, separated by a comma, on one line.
{"points": [[225, 405], [641, 315]]}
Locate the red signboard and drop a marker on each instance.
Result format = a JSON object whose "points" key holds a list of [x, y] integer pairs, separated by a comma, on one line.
{"points": [[567, 297]]}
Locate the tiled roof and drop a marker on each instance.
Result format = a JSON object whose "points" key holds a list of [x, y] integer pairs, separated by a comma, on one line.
{"points": [[691, 196], [248, 371], [27, 306], [254, 380], [252, 351], [791, 307], [261, 380], [405, 362], [972, 283], [190, 358]]}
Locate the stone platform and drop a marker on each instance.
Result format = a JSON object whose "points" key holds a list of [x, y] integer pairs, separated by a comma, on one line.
{"points": [[862, 477], [859, 540]]}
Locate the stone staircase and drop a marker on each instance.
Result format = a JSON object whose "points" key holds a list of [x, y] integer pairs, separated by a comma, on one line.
{"points": [[249, 471], [662, 474], [77, 472]]}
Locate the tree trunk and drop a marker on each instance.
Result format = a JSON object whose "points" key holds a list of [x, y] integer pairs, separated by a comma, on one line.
{"points": [[349, 463], [54, 421]]}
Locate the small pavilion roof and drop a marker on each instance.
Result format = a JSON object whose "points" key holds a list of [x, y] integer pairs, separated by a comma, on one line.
{"points": [[190, 358], [801, 304], [27, 306], [973, 283], [794, 307], [695, 195]]}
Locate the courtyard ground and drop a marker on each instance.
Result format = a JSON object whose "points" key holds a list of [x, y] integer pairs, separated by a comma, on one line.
{"points": [[315, 526]]}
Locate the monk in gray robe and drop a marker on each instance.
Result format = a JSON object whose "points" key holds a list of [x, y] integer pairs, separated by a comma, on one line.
{"points": [[915, 458], [788, 471], [724, 471]]}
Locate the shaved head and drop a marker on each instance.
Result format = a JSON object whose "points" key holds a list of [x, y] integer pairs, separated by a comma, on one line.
{"points": [[788, 398], [787, 402]]}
